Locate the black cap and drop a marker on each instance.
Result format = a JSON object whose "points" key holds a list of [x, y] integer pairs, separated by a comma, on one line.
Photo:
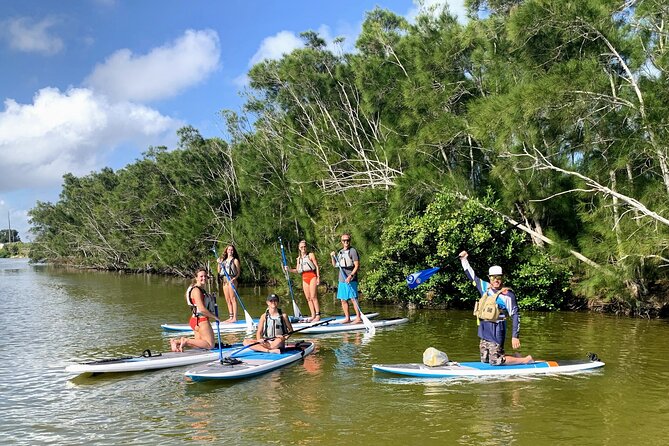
{"points": [[272, 297]]}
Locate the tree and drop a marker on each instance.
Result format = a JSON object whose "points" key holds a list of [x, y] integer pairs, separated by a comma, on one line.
{"points": [[7, 235]]}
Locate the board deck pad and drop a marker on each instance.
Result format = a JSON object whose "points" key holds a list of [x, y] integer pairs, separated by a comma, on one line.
{"points": [[252, 363]]}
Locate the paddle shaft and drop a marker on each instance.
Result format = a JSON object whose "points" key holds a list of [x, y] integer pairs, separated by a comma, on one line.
{"points": [[296, 309], [218, 322], [290, 333]]}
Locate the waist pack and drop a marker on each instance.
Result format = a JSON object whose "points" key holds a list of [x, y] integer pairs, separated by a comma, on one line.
{"points": [[486, 308]]}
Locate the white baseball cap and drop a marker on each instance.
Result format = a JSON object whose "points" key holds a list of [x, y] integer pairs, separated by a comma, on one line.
{"points": [[495, 271]]}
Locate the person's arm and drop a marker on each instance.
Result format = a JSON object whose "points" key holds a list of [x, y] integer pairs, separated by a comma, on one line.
{"points": [[333, 258], [356, 267], [481, 285], [514, 313], [238, 268], [287, 324], [318, 271], [261, 326]]}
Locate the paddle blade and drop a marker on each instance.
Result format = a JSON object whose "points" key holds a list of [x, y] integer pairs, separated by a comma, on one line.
{"points": [[415, 279], [296, 310], [249, 321]]}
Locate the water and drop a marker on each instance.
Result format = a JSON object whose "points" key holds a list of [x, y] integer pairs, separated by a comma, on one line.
{"points": [[55, 317]]}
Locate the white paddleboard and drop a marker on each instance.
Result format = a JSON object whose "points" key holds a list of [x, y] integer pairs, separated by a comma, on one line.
{"points": [[241, 325], [335, 327], [153, 362]]}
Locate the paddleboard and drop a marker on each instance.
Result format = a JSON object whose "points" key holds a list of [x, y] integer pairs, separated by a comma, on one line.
{"points": [[251, 363], [297, 323], [150, 361], [335, 327], [481, 369]]}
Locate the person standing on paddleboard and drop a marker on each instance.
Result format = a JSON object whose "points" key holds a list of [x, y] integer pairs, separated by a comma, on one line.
{"points": [[348, 262], [311, 278], [273, 329], [203, 308], [230, 262], [493, 332]]}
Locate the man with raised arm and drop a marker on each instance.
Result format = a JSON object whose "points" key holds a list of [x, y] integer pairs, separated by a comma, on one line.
{"points": [[493, 332]]}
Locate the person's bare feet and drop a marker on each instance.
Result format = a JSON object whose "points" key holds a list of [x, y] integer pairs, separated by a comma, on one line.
{"points": [[182, 344], [346, 321], [357, 321], [174, 345]]}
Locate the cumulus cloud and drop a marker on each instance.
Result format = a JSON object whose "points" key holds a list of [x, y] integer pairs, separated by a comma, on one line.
{"points": [[274, 47], [69, 131], [455, 7], [162, 73], [25, 35]]}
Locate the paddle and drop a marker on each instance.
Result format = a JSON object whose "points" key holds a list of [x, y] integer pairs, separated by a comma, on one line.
{"points": [[415, 279], [247, 316], [296, 309], [290, 333], [218, 322], [365, 320]]}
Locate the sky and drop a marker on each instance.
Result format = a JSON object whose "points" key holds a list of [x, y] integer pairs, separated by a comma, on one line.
{"points": [[87, 84]]}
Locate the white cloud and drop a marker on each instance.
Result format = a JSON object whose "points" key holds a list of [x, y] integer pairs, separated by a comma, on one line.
{"points": [[456, 8], [274, 47], [26, 35], [162, 73], [69, 131]]}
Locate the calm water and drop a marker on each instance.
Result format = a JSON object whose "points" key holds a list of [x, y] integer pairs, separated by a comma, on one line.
{"points": [[54, 317]]}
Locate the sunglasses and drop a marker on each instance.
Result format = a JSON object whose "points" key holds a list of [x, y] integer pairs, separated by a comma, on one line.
{"points": [[495, 277], [346, 240]]}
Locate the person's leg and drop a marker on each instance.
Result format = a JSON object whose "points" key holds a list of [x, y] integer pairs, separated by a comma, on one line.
{"points": [[347, 315], [342, 295], [227, 291], [204, 337], [483, 350], [508, 359], [311, 293], [356, 305]]}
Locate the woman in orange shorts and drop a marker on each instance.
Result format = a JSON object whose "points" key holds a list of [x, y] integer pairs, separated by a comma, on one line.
{"points": [[311, 278], [202, 305]]}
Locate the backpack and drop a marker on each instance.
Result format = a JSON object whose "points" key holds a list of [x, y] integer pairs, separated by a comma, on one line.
{"points": [[486, 308]]}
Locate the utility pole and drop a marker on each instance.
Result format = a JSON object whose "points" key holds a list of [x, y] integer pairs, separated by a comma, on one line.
{"points": [[9, 231]]}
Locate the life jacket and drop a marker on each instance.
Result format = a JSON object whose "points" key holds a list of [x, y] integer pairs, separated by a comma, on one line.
{"points": [[486, 308], [344, 259], [274, 329], [230, 268], [305, 264], [209, 301]]}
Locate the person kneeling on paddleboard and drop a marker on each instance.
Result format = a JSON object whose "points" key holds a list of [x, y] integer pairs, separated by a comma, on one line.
{"points": [[202, 306], [492, 310], [273, 329]]}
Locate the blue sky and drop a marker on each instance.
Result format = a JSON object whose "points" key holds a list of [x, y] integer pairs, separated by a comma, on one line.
{"points": [[92, 83]]}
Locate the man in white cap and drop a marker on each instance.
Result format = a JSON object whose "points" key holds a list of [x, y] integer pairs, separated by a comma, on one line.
{"points": [[493, 332]]}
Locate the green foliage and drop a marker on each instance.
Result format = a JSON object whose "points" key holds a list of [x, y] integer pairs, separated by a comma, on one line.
{"points": [[552, 113], [7, 236], [436, 237]]}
